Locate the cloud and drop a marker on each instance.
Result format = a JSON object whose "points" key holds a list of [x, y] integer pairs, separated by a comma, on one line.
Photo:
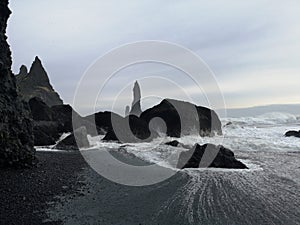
{"points": [[248, 44]]}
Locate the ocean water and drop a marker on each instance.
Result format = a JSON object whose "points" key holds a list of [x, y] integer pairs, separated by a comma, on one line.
{"points": [[267, 193], [264, 133]]}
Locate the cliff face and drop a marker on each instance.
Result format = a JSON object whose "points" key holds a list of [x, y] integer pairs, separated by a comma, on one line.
{"points": [[16, 139], [36, 84]]}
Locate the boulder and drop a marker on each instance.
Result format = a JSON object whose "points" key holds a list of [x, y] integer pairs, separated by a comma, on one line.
{"points": [[183, 118], [293, 133], [209, 155], [72, 143]]}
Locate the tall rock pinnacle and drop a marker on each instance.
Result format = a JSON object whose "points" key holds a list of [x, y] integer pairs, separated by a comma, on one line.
{"points": [[16, 139], [136, 104], [36, 83]]}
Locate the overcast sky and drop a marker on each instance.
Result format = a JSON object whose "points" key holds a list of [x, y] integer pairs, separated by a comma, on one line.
{"points": [[253, 47]]}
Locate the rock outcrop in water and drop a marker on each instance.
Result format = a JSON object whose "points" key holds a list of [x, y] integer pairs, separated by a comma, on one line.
{"points": [[35, 83], [78, 139], [136, 103], [16, 139], [130, 129], [293, 133], [209, 155], [183, 118]]}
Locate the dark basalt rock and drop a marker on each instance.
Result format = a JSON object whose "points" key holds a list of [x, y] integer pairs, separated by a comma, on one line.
{"points": [[209, 155], [130, 129], [16, 139], [173, 143], [39, 110], [36, 84], [183, 118], [103, 120], [293, 133], [72, 143], [51, 122], [136, 103], [46, 132]]}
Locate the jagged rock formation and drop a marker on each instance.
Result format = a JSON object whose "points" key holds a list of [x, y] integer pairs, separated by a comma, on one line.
{"points": [[35, 83], [136, 103], [16, 139], [180, 118], [209, 155], [51, 122]]}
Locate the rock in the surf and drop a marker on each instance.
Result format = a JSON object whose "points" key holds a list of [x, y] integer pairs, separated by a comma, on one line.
{"points": [[209, 155], [78, 139], [293, 133], [180, 118]]}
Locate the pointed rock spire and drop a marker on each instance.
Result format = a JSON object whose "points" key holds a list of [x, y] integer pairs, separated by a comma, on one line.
{"points": [[136, 104], [36, 83], [127, 110]]}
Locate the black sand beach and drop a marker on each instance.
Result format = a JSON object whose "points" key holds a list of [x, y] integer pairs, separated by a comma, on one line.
{"points": [[62, 189], [27, 193]]}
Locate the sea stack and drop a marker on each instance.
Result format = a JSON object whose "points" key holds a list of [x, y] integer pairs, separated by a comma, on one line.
{"points": [[36, 83], [16, 139], [136, 104], [127, 110]]}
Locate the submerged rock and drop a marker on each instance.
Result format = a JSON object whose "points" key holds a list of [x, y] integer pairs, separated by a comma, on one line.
{"points": [[209, 155], [74, 141], [293, 133], [16, 139]]}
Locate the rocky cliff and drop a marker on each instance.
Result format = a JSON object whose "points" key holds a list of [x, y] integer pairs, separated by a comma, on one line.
{"points": [[36, 83], [16, 139]]}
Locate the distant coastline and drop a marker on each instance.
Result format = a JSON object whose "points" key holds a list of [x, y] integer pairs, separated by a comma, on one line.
{"points": [[259, 110]]}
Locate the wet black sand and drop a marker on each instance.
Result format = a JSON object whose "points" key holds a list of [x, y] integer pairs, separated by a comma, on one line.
{"points": [[25, 194]]}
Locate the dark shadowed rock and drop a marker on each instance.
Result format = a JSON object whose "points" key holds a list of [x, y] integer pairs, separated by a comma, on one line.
{"points": [[209, 155], [39, 110], [103, 120], [129, 129], [173, 143], [72, 143], [183, 118], [46, 132], [63, 115], [51, 123], [16, 139], [36, 84], [293, 133]]}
